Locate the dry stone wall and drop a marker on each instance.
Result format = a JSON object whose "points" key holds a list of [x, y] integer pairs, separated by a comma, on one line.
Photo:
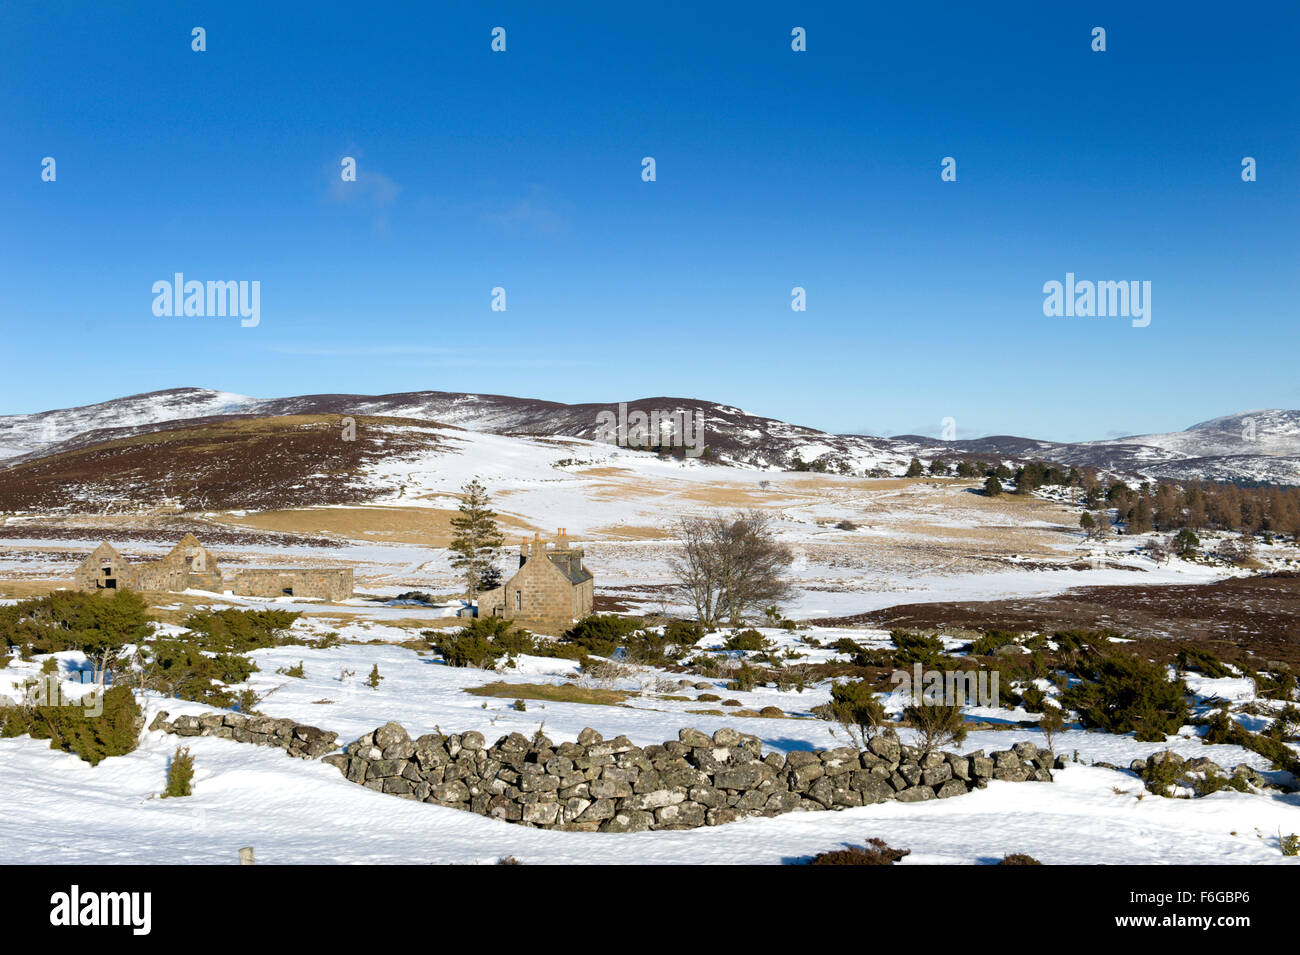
{"points": [[696, 780], [305, 742]]}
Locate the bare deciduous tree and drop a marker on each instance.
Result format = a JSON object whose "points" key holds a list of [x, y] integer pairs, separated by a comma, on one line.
{"points": [[730, 565]]}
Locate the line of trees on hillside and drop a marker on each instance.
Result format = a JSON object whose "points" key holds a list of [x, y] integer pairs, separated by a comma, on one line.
{"points": [[1162, 506], [1202, 505]]}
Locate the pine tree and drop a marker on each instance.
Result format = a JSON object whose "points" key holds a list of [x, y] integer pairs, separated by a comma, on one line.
{"points": [[1088, 523], [915, 469], [992, 486], [478, 539]]}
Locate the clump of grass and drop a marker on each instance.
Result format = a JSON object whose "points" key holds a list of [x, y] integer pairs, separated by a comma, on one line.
{"points": [[372, 681], [293, 671], [180, 774], [1290, 844], [1019, 858], [519, 706]]}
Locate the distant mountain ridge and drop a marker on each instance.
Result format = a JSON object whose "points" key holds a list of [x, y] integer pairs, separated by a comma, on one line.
{"points": [[1257, 446]]}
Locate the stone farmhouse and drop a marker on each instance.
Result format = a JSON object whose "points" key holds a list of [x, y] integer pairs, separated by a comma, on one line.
{"points": [[549, 592], [189, 565]]}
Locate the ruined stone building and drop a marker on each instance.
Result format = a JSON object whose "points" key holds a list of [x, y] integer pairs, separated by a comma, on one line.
{"points": [[333, 584], [549, 592], [190, 566]]}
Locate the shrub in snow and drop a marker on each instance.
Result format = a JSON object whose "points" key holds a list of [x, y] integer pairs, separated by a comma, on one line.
{"points": [[991, 642], [1203, 661], [239, 631], [1185, 543], [937, 725], [745, 640], [875, 852], [743, 679], [918, 648], [98, 626], [484, 641], [1126, 694], [1052, 723], [181, 668], [114, 732], [602, 634], [180, 774], [857, 709], [296, 671]]}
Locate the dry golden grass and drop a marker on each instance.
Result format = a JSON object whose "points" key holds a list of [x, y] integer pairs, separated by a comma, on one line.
{"points": [[21, 589], [428, 527], [550, 693]]}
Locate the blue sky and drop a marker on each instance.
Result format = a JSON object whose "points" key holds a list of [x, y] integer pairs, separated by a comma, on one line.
{"points": [[775, 169]]}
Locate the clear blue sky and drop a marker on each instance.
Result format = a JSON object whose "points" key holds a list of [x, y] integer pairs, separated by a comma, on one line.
{"points": [[775, 169]]}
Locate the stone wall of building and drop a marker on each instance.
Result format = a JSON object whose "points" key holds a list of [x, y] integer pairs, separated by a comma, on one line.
{"points": [[695, 780], [157, 575], [327, 584]]}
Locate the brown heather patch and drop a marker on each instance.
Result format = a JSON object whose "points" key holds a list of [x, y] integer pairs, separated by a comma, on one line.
{"points": [[1247, 620], [224, 462]]}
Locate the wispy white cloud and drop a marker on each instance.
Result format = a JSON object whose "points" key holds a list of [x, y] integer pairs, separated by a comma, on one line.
{"points": [[536, 214], [372, 189]]}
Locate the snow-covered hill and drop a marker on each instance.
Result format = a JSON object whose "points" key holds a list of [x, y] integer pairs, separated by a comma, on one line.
{"points": [[1256, 446], [26, 433]]}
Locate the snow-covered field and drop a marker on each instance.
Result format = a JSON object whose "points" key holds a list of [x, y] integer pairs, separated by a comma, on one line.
{"points": [[297, 811]]}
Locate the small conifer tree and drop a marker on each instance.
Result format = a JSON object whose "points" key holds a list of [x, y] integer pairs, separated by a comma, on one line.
{"points": [[180, 774], [478, 539]]}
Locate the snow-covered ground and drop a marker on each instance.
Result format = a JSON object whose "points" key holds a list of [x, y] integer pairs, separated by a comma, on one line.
{"points": [[296, 811]]}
